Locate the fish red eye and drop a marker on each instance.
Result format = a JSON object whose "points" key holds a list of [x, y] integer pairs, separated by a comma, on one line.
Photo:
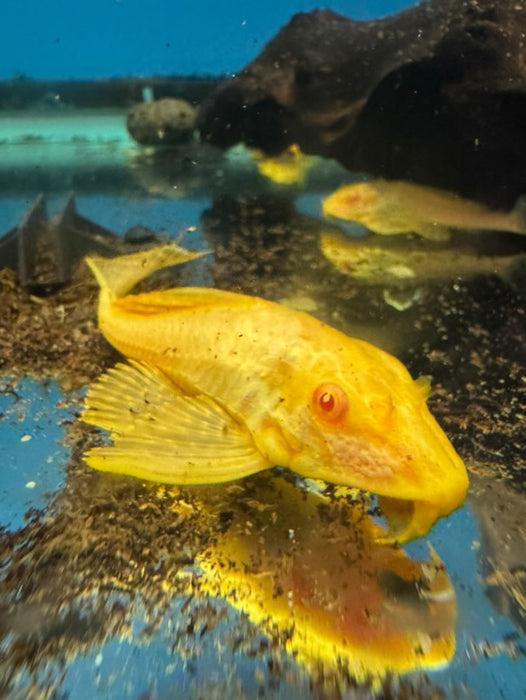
{"points": [[326, 401], [330, 401], [353, 199]]}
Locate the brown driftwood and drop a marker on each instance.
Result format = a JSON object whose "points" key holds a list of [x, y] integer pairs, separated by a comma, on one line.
{"points": [[434, 94]]}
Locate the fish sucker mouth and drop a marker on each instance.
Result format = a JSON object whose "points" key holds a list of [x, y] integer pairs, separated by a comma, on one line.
{"points": [[417, 475], [406, 516], [407, 519]]}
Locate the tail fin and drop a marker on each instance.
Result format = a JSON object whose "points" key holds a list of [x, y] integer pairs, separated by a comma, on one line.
{"points": [[116, 276], [515, 274], [519, 215]]}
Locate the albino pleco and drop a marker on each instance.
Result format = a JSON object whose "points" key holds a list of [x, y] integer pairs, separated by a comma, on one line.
{"points": [[221, 385], [391, 207]]}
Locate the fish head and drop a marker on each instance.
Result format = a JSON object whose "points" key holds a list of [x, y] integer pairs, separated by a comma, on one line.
{"points": [[356, 202], [288, 168], [364, 423]]}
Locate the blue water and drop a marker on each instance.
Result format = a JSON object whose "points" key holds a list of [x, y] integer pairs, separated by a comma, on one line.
{"points": [[128, 668], [457, 539], [106, 38], [31, 456]]}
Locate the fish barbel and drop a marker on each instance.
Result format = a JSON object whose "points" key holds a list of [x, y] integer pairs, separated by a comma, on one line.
{"points": [[222, 385], [390, 207]]}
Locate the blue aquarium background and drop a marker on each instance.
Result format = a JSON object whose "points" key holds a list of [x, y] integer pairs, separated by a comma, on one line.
{"points": [[61, 39]]}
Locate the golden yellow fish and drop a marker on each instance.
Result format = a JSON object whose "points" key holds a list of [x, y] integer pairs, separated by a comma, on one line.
{"points": [[311, 566], [222, 385], [390, 207], [378, 260], [288, 168]]}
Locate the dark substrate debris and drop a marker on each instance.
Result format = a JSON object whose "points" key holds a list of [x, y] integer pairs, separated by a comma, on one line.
{"points": [[52, 337]]}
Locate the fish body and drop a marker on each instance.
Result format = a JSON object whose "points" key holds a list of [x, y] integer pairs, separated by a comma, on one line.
{"points": [[375, 260], [222, 385], [391, 207]]}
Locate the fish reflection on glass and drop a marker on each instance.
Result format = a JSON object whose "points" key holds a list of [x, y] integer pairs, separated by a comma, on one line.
{"points": [[391, 207], [222, 385], [288, 168], [297, 562], [380, 261]]}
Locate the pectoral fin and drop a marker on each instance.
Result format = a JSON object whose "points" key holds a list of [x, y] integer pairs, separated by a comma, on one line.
{"points": [[423, 385], [161, 434]]}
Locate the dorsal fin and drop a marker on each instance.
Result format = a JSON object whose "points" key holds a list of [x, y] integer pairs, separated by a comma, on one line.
{"points": [[116, 276]]}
